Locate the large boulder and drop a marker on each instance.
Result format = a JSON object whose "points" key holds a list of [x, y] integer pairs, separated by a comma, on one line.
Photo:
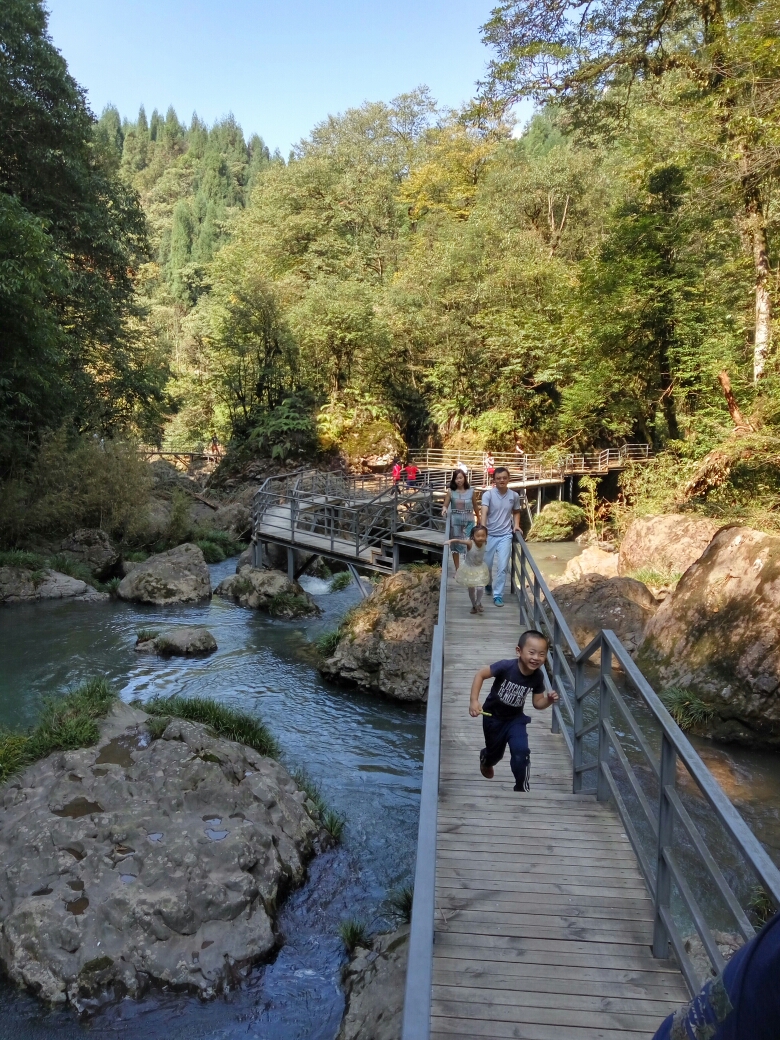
{"points": [[385, 644], [269, 591], [718, 635], [668, 544], [92, 547], [179, 575], [374, 984], [591, 561], [146, 860], [181, 641], [233, 518], [594, 602], [20, 585]]}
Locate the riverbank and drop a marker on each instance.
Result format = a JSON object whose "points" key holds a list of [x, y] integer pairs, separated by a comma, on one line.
{"points": [[364, 754]]}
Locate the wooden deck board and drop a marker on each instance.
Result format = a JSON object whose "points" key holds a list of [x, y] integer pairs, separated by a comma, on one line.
{"points": [[543, 923]]}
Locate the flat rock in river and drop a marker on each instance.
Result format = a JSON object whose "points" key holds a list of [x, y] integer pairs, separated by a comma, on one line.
{"points": [[181, 641], [146, 860], [179, 575], [19, 585], [269, 591]]}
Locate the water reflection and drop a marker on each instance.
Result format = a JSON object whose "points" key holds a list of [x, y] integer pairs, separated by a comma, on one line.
{"points": [[365, 755]]}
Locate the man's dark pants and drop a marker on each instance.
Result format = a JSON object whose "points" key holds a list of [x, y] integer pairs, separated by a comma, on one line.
{"points": [[499, 733]]}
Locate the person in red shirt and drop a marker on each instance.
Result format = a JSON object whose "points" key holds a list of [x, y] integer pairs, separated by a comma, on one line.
{"points": [[412, 472], [397, 471]]}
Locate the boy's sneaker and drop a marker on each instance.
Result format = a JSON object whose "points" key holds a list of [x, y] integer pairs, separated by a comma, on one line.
{"points": [[487, 771], [517, 787], [489, 590], [498, 601]]}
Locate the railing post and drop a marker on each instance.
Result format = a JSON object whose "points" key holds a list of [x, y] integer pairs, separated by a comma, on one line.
{"points": [[602, 785], [556, 672], [577, 738], [663, 875], [536, 603]]}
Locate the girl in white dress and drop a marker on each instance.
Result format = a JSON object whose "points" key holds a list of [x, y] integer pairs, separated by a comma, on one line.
{"points": [[473, 572]]}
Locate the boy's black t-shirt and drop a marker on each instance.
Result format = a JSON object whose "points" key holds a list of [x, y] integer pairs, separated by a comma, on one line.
{"points": [[510, 689]]}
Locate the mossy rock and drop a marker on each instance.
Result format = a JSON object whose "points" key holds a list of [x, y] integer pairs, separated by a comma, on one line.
{"points": [[558, 522]]}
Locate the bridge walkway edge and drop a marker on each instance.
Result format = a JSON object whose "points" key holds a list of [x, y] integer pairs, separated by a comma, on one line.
{"points": [[543, 922]]}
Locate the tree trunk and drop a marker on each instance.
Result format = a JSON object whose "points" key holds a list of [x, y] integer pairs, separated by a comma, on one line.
{"points": [[740, 421], [755, 229]]}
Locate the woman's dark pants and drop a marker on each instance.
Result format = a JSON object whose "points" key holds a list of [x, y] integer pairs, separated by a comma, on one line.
{"points": [[499, 733]]}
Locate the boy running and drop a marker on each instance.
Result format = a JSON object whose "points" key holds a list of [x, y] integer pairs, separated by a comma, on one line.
{"points": [[503, 720]]}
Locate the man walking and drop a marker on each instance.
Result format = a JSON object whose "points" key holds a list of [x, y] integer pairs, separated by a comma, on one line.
{"points": [[500, 514]]}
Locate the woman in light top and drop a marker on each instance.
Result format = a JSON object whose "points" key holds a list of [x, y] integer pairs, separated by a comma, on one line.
{"points": [[460, 501]]}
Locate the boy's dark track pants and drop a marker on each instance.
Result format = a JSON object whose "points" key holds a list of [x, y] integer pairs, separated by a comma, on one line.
{"points": [[499, 733]]}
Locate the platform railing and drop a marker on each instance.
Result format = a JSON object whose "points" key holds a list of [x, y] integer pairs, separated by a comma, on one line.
{"points": [[419, 973], [691, 843]]}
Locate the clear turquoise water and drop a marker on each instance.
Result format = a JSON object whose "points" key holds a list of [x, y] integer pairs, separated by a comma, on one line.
{"points": [[364, 753]]}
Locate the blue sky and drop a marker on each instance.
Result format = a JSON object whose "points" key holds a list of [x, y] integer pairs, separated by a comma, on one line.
{"points": [[279, 67]]}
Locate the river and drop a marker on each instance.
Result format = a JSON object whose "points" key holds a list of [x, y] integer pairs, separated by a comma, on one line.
{"points": [[364, 753]]}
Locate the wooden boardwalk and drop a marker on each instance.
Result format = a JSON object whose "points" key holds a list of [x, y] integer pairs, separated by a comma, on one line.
{"points": [[543, 921]]}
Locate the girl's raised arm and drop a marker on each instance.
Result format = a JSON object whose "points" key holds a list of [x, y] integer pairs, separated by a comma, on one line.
{"points": [[445, 507]]}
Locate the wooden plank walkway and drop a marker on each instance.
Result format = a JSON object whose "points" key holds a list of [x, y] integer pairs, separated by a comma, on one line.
{"points": [[543, 920]]}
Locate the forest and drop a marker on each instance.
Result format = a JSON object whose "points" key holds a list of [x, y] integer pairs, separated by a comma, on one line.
{"points": [[412, 275]]}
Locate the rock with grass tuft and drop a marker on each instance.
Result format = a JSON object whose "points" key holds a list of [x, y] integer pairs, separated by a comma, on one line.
{"points": [[269, 591], [146, 857], [182, 641], [91, 547], [21, 585], [557, 522], [374, 983]]}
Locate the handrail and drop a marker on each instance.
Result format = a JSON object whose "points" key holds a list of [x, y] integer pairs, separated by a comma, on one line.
{"points": [[419, 971], [678, 843]]}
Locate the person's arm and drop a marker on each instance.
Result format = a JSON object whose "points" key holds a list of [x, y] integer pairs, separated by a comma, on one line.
{"points": [[446, 505], [460, 541], [517, 513], [484, 505], [545, 700], [474, 706]]}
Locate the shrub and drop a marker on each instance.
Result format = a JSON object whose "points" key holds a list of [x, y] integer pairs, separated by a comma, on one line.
{"points": [[557, 522], [686, 708], [212, 551], [66, 723], [401, 900], [353, 933], [224, 721], [340, 581], [179, 527], [327, 643]]}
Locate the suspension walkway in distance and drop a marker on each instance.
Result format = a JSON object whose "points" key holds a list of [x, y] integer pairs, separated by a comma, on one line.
{"points": [[569, 912]]}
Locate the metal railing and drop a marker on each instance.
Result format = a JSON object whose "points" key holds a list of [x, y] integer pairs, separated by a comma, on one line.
{"points": [[533, 467], [616, 726], [351, 513], [419, 971]]}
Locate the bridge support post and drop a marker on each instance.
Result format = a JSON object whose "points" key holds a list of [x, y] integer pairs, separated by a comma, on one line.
{"points": [[290, 563], [539, 500], [556, 672], [663, 875], [577, 738], [605, 698], [560, 491], [257, 553]]}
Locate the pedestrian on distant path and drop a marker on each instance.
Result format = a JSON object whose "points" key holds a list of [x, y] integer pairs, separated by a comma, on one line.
{"points": [[500, 514], [397, 470], [411, 474], [503, 721], [473, 573], [741, 1004], [488, 468], [459, 500]]}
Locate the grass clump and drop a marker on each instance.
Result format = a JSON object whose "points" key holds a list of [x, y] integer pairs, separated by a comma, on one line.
{"points": [[353, 933], [651, 576], [290, 604], [332, 822], [157, 725], [327, 643], [558, 522], [222, 720], [760, 908], [143, 635], [28, 561], [340, 581], [686, 708], [401, 900], [66, 723], [212, 551]]}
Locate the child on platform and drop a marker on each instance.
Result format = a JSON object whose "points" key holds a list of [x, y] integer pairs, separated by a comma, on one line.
{"points": [[473, 573], [503, 720]]}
